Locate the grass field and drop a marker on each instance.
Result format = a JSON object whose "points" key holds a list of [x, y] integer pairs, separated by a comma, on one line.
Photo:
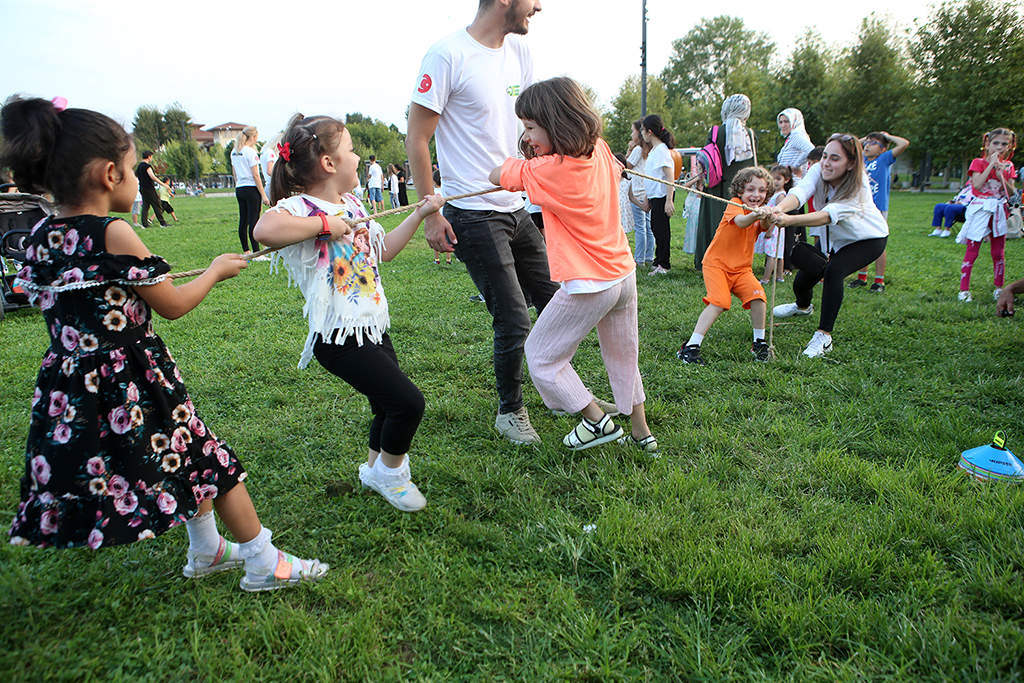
{"points": [[805, 521]]}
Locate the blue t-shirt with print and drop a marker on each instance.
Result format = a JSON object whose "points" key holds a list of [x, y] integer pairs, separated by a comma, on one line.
{"points": [[879, 178]]}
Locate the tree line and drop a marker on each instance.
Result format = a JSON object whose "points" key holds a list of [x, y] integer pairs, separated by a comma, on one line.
{"points": [[942, 84]]}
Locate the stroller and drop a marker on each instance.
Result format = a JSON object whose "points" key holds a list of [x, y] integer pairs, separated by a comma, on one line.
{"points": [[18, 215]]}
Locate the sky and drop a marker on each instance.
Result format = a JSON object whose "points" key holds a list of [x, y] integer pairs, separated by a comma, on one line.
{"points": [[258, 62]]}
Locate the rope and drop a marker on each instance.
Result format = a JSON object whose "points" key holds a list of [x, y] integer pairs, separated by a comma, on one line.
{"points": [[352, 222], [688, 189]]}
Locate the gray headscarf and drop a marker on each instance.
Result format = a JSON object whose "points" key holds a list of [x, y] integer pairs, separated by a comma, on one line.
{"points": [[735, 112]]}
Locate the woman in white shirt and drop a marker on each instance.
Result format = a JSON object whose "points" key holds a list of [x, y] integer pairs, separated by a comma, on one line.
{"points": [[854, 235], [660, 197], [245, 163], [643, 250]]}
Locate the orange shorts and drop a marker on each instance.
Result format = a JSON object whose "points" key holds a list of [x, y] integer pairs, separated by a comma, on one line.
{"points": [[721, 284]]}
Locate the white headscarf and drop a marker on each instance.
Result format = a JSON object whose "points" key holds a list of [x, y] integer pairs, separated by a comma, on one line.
{"points": [[796, 121], [735, 112]]}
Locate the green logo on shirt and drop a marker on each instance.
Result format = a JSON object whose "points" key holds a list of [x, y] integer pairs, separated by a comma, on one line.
{"points": [[513, 90]]}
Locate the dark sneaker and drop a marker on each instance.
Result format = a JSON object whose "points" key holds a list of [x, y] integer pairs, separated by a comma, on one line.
{"points": [[760, 351], [877, 287], [854, 284], [477, 299], [690, 354]]}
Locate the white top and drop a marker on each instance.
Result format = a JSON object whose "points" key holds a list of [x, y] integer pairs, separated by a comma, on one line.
{"points": [[474, 88], [658, 159], [636, 158], [374, 176], [393, 183], [268, 155], [852, 220], [339, 278], [242, 162]]}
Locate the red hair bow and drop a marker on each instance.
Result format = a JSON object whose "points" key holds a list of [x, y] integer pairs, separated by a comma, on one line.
{"points": [[284, 151]]}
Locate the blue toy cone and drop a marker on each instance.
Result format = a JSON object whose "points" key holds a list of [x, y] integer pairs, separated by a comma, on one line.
{"points": [[992, 462]]}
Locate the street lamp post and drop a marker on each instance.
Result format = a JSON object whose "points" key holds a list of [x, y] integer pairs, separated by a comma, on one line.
{"points": [[643, 63]]}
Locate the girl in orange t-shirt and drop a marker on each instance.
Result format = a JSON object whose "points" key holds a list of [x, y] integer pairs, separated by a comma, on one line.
{"points": [[570, 172]]}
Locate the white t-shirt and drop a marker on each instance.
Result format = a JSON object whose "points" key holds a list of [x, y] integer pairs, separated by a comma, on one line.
{"points": [[242, 162], [658, 159], [852, 220], [268, 155], [636, 158], [474, 88], [393, 183], [374, 176]]}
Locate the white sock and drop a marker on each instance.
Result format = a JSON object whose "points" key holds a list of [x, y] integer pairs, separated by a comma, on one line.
{"points": [[397, 475], [259, 553], [695, 339], [758, 334], [203, 537]]}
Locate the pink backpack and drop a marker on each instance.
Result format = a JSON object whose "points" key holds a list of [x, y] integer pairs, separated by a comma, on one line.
{"points": [[710, 160]]}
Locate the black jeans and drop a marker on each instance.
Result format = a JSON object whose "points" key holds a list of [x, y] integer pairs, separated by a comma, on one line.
{"points": [[372, 370], [248, 213], [151, 199], [662, 232], [847, 260], [505, 256]]}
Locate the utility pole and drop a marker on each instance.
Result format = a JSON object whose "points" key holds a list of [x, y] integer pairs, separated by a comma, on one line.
{"points": [[643, 63]]}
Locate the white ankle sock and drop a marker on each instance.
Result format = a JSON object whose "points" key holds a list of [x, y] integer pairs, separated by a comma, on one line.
{"points": [[259, 553], [398, 474], [758, 335], [695, 339], [203, 537]]}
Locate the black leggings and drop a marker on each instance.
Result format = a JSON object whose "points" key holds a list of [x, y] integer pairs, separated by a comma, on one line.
{"points": [[662, 232], [847, 260], [372, 370], [248, 213]]}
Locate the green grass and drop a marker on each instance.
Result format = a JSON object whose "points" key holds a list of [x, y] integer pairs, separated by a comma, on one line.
{"points": [[805, 521]]}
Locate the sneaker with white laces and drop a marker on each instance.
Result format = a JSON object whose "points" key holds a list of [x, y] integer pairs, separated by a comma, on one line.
{"points": [[964, 295], [790, 310], [996, 292], [819, 345], [516, 427], [396, 489], [761, 351], [690, 354], [937, 232], [658, 270]]}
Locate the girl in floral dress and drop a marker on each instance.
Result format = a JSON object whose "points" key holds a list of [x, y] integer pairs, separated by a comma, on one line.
{"points": [[116, 451]]}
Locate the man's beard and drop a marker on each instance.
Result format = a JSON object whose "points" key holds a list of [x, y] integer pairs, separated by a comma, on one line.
{"points": [[516, 22]]}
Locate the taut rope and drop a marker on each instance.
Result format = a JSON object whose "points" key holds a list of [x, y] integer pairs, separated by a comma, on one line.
{"points": [[353, 222]]}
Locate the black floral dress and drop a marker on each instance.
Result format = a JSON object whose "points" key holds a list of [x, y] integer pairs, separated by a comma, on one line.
{"points": [[116, 451]]}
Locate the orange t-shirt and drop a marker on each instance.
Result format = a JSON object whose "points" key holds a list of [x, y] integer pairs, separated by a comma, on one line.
{"points": [[580, 202], [732, 249]]}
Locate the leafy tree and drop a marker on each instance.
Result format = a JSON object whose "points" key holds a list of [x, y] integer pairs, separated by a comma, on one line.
{"points": [[718, 57], [180, 158], [875, 88], [806, 82], [625, 109], [177, 123], [147, 127], [970, 80], [370, 136]]}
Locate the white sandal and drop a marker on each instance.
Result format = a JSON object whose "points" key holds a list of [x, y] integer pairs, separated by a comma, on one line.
{"points": [[284, 575], [588, 434]]}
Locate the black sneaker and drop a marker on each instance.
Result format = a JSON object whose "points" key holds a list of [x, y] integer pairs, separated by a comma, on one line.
{"points": [[690, 354], [760, 350], [877, 287], [854, 284]]}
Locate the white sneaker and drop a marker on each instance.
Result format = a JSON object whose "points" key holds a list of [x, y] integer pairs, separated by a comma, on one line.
{"points": [[819, 345], [945, 233], [658, 270], [516, 427], [397, 489], [937, 232], [996, 293], [964, 296], [790, 310]]}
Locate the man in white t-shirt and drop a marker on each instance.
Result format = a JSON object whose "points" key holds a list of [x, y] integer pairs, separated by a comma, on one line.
{"points": [[465, 94], [374, 185]]}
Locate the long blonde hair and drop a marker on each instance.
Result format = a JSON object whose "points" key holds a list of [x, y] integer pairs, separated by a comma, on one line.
{"points": [[247, 132]]}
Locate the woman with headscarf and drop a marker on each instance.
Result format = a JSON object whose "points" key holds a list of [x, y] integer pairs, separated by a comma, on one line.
{"points": [[737, 146], [798, 143]]}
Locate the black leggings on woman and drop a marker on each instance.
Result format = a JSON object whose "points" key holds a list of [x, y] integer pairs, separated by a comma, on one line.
{"points": [[248, 213], [372, 370], [662, 232], [847, 260]]}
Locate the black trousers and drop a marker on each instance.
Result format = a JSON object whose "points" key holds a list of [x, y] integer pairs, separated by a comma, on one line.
{"points": [[847, 260], [151, 199], [248, 213], [372, 370], [662, 233]]}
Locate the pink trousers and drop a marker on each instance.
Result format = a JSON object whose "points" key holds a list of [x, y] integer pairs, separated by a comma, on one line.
{"points": [[565, 322], [998, 261]]}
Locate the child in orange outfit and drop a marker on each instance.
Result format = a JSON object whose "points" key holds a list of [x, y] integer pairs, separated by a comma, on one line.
{"points": [[727, 264]]}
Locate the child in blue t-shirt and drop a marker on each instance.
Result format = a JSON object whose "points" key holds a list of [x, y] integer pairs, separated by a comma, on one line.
{"points": [[878, 160]]}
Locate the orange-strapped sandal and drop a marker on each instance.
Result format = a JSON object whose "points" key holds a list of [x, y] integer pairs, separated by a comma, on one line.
{"points": [[227, 557], [290, 571]]}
